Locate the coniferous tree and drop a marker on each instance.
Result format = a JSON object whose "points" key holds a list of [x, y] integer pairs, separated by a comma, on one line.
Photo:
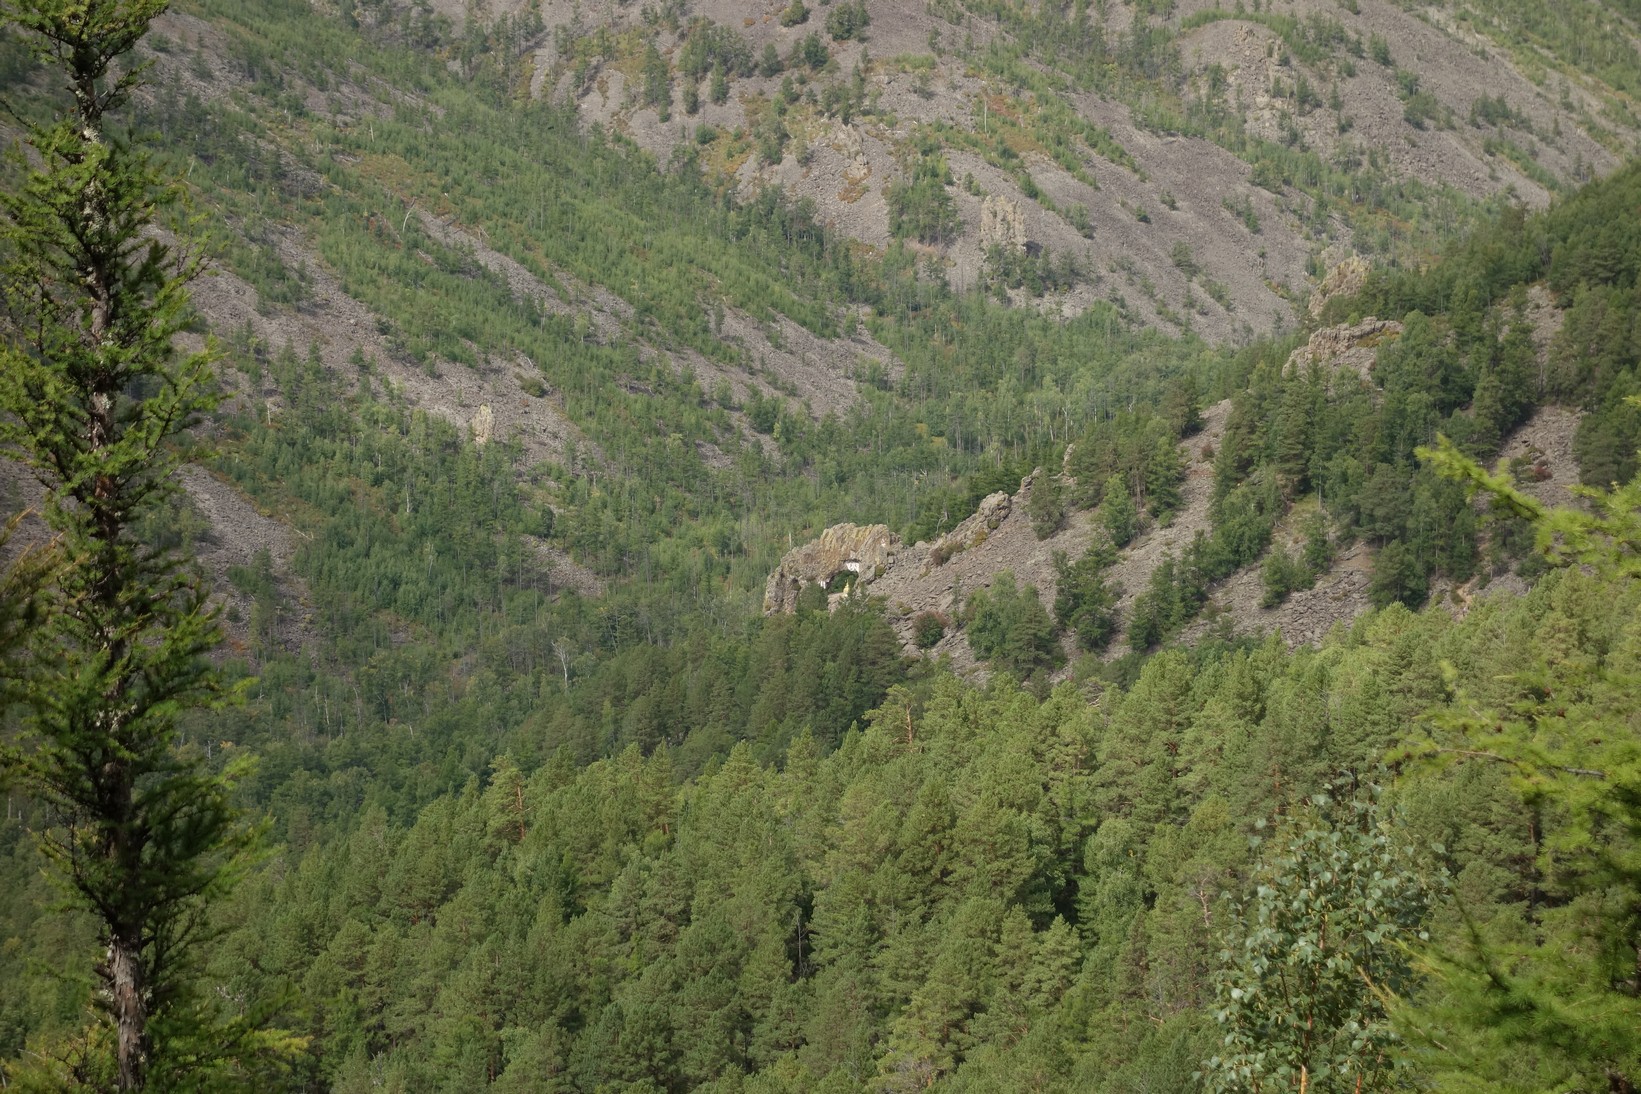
{"points": [[1084, 602], [1046, 505], [94, 401], [1278, 575], [1117, 512], [1164, 473], [1317, 554], [1010, 628], [1553, 1007]]}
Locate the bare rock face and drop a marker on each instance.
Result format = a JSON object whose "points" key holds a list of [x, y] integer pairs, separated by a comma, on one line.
{"points": [[1344, 279], [1339, 348], [993, 511], [1002, 224], [842, 548], [484, 423]]}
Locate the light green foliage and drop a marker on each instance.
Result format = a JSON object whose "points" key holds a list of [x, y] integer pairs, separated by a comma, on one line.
{"points": [[976, 887], [23, 576], [769, 61], [847, 19], [1582, 36], [1318, 949], [920, 205], [886, 908], [811, 52], [1141, 752], [1035, 273], [654, 238], [1054, 52], [713, 48], [1606, 537], [1185, 260], [982, 889], [656, 82]]}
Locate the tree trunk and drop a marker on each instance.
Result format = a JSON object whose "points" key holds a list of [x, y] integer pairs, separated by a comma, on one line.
{"points": [[128, 991]]}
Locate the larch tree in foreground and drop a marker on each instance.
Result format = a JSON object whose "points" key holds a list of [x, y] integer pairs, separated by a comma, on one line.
{"points": [[94, 398]]}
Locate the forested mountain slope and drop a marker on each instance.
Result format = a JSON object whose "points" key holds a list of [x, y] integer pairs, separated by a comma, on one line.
{"points": [[1196, 162], [351, 230], [976, 890], [1519, 342]]}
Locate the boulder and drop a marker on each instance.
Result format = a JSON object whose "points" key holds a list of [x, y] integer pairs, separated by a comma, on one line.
{"points": [[1348, 347], [1344, 279], [1002, 224], [483, 425], [842, 548]]}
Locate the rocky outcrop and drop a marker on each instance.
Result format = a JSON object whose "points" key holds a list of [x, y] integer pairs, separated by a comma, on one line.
{"points": [[843, 548], [1344, 279], [1002, 224], [1337, 349], [994, 510], [483, 425]]}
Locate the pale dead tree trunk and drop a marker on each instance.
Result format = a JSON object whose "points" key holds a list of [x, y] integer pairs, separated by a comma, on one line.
{"points": [[126, 978], [561, 649]]}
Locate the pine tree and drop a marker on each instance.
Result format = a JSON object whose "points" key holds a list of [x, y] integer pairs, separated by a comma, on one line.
{"points": [[1164, 473], [1554, 1006], [1278, 576], [657, 82], [94, 401], [1046, 505], [1084, 602], [1117, 512], [1295, 426], [1009, 627]]}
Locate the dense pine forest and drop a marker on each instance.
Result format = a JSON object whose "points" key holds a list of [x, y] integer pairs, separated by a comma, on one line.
{"points": [[497, 777]]}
